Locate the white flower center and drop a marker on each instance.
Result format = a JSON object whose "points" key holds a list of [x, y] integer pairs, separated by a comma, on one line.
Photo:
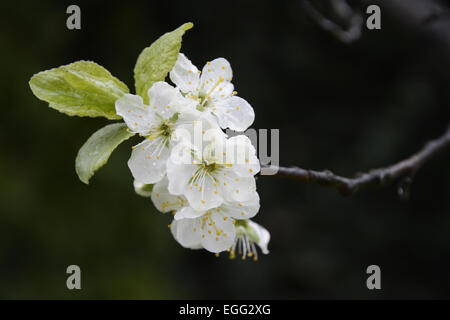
{"points": [[204, 97], [164, 129], [205, 170]]}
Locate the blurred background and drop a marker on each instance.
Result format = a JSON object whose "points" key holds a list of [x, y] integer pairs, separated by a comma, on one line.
{"points": [[344, 104]]}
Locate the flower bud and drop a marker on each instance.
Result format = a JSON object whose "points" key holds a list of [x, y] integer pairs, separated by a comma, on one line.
{"points": [[142, 189]]}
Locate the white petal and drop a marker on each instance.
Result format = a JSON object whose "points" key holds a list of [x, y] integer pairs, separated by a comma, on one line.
{"points": [[217, 232], [214, 145], [135, 113], [184, 74], [180, 168], [223, 90], [263, 235], [215, 81], [184, 104], [163, 200], [216, 69], [234, 187], [196, 130], [187, 232], [191, 126], [188, 212], [148, 161], [241, 154], [242, 210], [163, 99], [234, 113]]}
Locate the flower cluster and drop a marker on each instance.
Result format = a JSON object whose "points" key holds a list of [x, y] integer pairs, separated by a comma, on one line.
{"points": [[202, 176]]}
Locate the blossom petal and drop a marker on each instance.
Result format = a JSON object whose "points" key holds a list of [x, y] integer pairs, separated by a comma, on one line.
{"points": [[241, 155], [203, 193], [184, 104], [183, 231], [223, 90], [184, 74], [163, 99], [263, 235], [234, 187], [242, 210], [135, 113], [215, 70], [180, 168], [188, 212], [217, 232], [163, 200], [234, 113], [148, 160], [192, 126], [215, 81]]}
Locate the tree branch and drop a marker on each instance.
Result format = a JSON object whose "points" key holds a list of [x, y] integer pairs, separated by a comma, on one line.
{"points": [[342, 9], [403, 170]]}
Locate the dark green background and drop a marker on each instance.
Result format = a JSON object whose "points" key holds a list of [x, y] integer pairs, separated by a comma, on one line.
{"points": [[342, 107]]}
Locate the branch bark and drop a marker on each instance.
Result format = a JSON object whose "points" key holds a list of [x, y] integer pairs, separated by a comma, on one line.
{"points": [[344, 11], [403, 171]]}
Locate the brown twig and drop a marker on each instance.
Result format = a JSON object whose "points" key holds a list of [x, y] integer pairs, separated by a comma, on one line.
{"points": [[342, 9], [403, 171]]}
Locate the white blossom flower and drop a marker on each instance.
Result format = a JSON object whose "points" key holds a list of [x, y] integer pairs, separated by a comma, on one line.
{"points": [[213, 92], [249, 233], [158, 122], [212, 229], [223, 171]]}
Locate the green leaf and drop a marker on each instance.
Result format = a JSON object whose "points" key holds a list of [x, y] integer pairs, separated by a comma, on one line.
{"points": [[155, 62], [98, 148], [82, 88]]}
